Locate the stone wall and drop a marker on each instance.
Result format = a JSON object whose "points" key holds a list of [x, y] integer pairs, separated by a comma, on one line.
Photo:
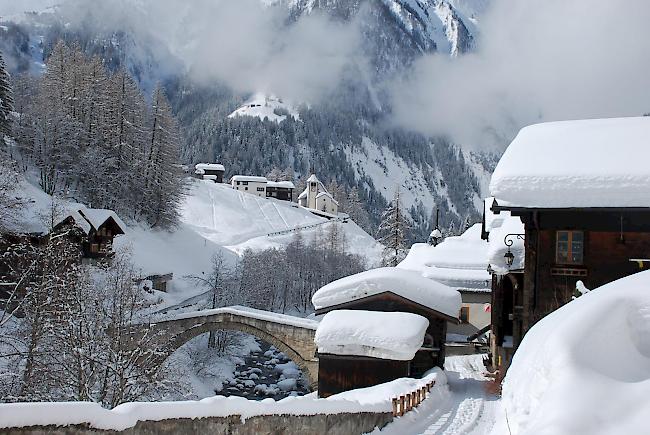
{"points": [[332, 424]]}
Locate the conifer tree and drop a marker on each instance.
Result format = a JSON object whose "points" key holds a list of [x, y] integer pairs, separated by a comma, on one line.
{"points": [[392, 232], [164, 185], [6, 100]]}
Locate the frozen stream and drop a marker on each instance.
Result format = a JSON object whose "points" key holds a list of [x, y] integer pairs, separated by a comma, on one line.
{"points": [[265, 373]]}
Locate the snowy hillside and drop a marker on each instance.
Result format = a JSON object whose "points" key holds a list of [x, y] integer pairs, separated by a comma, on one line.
{"points": [[387, 171], [238, 220], [263, 106]]}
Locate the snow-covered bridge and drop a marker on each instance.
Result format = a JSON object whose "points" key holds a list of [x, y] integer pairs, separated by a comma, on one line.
{"points": [[292, 335]]}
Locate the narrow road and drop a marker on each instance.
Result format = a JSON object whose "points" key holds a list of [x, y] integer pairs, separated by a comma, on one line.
{"points": [[467, 409]]}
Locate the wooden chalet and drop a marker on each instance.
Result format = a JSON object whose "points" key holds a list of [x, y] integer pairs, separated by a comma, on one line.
{"points": [[432, 352], [575, 226], [104, 225], [339, 373]]}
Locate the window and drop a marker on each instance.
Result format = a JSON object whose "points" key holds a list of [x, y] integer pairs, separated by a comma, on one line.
{"points": [[464, 315], [94, 248], [246, 188], [238, 183], [260, 189], [569, 247], [245, 183]]}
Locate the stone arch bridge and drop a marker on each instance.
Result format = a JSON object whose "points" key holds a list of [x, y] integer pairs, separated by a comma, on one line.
{"points": [[292, 335]]}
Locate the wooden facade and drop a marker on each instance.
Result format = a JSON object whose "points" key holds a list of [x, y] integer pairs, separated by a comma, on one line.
{"points": [[563, 246], [337, 373], [281, 193], [432, 352], [99, 241]]}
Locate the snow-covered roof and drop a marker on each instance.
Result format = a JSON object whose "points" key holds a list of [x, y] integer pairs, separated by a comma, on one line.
{"points": [[313, 178], [386, 335], [34, 218], [209, 167], [249, 178], [199, 171], [303, 194], [508, 225], [281, 184], [405, 283], [585, 163], [591, 356], [98, 217], [460, 262]]}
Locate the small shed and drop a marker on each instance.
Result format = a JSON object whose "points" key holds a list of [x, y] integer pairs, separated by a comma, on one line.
{"points": [[358, 349], [390, 289]]}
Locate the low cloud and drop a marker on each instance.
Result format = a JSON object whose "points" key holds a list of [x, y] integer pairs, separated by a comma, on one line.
{"points": [[244, 43], [535, 61]]}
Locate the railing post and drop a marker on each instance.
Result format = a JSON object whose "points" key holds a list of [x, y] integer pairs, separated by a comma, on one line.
{"points": [[394, 406], [401, 405]]}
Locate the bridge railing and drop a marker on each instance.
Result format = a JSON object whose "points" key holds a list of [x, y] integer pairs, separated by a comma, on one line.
{"points": [[407, 402]]}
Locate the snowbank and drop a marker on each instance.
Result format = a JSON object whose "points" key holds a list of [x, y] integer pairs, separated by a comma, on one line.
{"points": [[585, 368], [372, 399], [394, 336], [459, 262], [406, 283], [585, 163]]}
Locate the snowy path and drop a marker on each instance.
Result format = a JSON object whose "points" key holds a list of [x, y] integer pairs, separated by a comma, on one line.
{"points": [[467, 409]]}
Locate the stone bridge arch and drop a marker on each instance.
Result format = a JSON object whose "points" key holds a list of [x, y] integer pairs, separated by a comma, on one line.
{"points": [[295, 341]]}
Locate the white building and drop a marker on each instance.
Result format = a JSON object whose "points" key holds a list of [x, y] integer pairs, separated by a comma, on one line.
{"points": [[316, 197], [249, 184]]}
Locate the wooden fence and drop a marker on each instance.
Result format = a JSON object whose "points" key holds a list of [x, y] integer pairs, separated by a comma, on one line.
{"points": [[407, 402]]}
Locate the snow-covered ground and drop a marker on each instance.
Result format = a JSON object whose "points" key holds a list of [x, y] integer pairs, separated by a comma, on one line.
{"points": [[467, 408], [218, 219], [238, 220]]}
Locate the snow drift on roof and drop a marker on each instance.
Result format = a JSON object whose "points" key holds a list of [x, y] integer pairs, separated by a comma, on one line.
{"points": [[459, 262], [98, 216], [585, 368], [250, 178], [585, 163], [281, 184], [394, 336], [406, 283], [209, 167]]}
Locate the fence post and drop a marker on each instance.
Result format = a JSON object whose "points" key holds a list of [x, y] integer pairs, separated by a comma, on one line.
{"points": [[394, 406], [401, 403]]}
